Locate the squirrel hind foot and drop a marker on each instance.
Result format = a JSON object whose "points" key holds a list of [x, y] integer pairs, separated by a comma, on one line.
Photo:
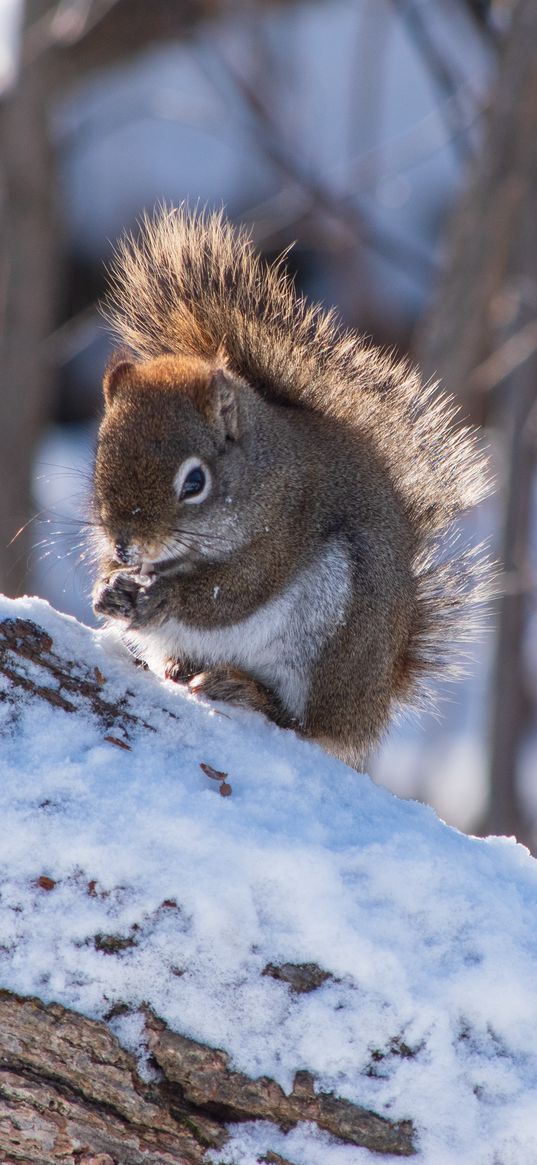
{"points": [[233, 686]]}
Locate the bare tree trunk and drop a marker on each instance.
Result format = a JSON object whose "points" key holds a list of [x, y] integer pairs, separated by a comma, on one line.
{"points": [[481, 338], [28, 278], [509, 694]]}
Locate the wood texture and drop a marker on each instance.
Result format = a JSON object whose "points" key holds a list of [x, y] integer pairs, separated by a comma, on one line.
{"points": [[70, 1093]]}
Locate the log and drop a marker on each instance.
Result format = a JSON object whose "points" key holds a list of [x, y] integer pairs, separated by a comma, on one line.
{"points": [[68, 1091]]}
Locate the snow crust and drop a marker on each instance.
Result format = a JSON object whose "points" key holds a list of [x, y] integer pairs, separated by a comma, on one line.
{"points": [[430, 938]]}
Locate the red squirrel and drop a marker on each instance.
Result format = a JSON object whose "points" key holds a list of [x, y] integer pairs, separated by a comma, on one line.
{"points": [[274, 497]]}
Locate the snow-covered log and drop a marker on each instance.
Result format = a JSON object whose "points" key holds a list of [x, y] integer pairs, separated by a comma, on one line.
{"points": [[217, 944]]}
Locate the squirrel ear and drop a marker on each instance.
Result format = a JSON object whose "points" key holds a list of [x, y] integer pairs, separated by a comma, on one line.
{"points": [[225, 392], [115, 372]]}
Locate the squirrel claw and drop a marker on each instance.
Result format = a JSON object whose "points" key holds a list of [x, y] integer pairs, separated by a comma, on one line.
{"points": [[178, 671]]}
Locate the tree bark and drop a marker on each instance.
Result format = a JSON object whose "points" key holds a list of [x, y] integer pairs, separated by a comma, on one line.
{"points": [[70, 1093]]}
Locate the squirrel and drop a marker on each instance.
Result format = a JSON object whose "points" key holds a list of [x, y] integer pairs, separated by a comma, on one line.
{"points": [[274, 497]]}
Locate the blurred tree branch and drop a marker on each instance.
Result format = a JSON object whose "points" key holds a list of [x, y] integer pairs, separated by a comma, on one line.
{"points": [[91, 34], [340, 218], [449, 83]]}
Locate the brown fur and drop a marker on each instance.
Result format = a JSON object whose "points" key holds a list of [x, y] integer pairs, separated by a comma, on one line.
{"points": [[232, 686], [219, 342]]}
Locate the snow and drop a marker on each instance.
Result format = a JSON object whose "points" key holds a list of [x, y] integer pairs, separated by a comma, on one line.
{"points": [[430, 1012]]}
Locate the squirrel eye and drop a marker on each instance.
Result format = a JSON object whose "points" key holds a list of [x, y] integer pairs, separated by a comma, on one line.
{"points": [[192, 481]]}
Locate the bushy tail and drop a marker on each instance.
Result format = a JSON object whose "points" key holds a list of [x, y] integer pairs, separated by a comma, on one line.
{"points": [[192, 284]]}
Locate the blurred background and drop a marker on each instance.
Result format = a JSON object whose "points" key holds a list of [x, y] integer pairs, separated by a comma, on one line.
{"points": [[394, 143]]}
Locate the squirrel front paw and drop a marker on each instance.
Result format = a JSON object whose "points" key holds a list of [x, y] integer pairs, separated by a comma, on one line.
{"points": [[115, 596], [233, 686]]}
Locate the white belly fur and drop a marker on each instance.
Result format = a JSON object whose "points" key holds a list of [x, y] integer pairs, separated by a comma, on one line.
{"points": [[279, 643]]}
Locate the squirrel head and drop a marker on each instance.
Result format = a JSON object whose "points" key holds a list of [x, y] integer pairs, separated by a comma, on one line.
{"points": [[169, 463]]}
